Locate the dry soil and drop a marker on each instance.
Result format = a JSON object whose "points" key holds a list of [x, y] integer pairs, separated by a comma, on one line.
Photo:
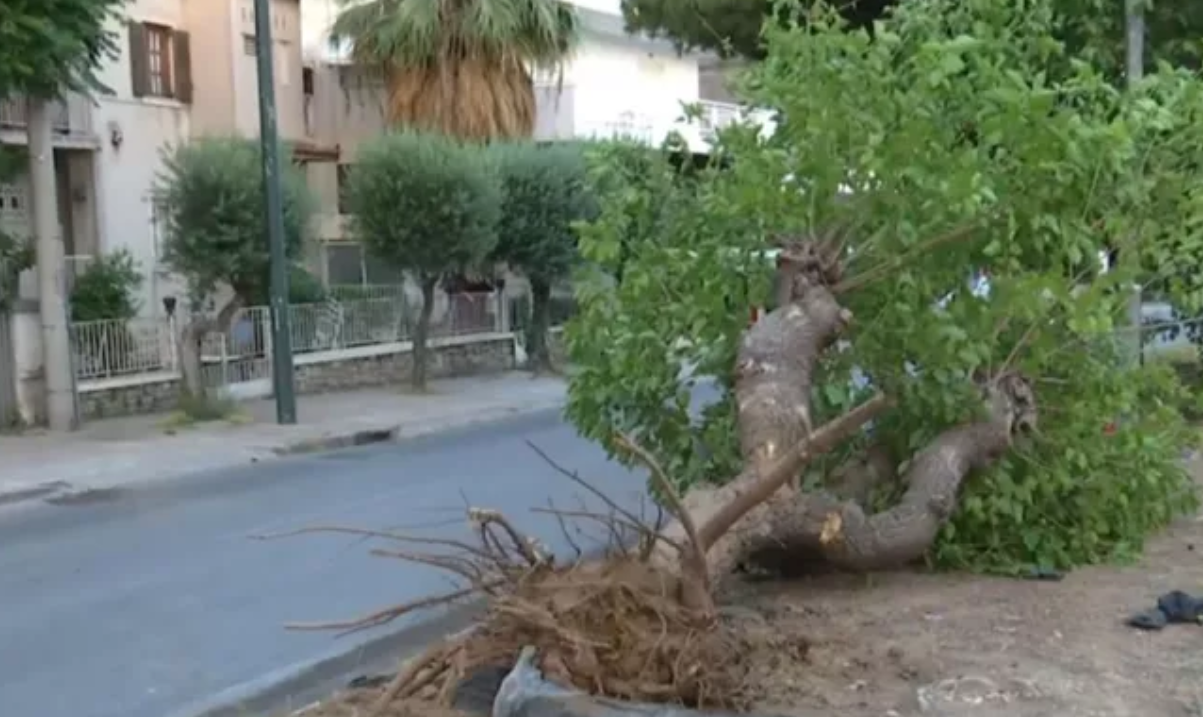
{"points": [[904, 644]]}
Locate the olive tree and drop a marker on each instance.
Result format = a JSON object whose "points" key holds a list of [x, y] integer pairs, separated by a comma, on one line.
{"points": [[429, 206], [876, 315], [544, 195], [213, 201]]}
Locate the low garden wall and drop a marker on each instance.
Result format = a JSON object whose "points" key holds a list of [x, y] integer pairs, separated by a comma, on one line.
{"points": [[318, 372]]}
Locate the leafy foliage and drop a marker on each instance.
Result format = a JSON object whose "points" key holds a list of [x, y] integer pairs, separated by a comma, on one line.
{"points": [[460, 69], [544, 195], [449, 197], [46, 45], [427, 205], [212, 194], [106, 289], [1093, 29], [1064, 169], [16, 253], [303, 288]]}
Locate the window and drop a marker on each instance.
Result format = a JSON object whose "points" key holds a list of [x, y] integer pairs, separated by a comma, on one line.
{"points": [[160, 62], [248, 45], [12, 200], [159, 228], [342, 188], [349, 264], [344, 264], [307, 81]]}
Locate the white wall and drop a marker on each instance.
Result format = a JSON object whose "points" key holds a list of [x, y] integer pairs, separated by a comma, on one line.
{"points": [[317, 16], [126, 173], [624, 81]]}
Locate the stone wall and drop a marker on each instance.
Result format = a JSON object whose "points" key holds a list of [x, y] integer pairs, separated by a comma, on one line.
{"points": [[336, 371], [463, 359]]}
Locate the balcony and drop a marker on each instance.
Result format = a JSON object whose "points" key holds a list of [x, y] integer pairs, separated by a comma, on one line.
{"points": [[70, 121], [558, 117], [715, 116]]}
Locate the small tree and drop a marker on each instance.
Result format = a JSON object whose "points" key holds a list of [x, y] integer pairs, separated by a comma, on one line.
{"points": [[427, 205], [106, 289], [544, 194], [213, 198]]}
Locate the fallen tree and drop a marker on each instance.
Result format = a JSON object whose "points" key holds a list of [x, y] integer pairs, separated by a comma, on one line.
{"points": [[636, 627], [872, 418]]}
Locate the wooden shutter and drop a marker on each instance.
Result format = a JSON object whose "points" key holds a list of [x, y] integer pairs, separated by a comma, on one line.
{"points": [[181, 47], [139, 64]]}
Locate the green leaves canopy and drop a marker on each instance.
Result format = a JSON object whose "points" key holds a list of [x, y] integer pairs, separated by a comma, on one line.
{"points": [[424, 203], [1062, 169], [1093, 29], [544, 194], [46, 45], [212, 195]]}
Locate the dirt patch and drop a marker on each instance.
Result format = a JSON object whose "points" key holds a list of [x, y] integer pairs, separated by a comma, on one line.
{"points": [[905, 643]]}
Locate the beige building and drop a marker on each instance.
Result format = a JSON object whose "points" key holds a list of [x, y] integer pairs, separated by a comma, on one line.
{"points": [[184, 68]]}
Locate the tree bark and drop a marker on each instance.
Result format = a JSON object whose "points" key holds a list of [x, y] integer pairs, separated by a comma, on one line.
{"points": [[836, 530], [422, 332], [750, 520], [192, 337], [536, 334]]}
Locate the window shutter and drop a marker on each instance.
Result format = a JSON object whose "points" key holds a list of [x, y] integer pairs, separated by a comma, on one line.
{"points": [[139, 64], [181, 45]]}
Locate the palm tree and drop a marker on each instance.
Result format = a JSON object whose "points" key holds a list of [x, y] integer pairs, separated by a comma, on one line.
{"points": [[460, 67]]}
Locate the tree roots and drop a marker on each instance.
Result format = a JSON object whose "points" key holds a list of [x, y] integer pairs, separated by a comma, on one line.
{"points": [[615, 627]]}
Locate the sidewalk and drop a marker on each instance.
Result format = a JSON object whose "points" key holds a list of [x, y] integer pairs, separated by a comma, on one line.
{"points": [[124, 451]]}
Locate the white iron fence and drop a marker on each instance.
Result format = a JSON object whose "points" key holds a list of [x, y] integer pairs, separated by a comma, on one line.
{"points": [[107, 349]]}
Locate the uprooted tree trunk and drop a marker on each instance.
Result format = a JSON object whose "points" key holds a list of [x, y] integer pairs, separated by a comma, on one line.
{"points": [[641, 625], [758, 518], [835, 527], [192, 337]]}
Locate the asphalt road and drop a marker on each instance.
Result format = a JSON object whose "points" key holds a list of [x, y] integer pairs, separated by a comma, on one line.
{"points": [[138, 603]]}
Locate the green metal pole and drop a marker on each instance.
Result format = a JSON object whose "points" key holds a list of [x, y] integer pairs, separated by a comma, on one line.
{"points": [[282, 372]]}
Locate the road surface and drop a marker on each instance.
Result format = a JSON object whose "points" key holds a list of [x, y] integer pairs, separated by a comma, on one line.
{"points": [[139, 603]]}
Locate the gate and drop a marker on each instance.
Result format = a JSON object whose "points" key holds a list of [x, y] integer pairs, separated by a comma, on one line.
{"points": [[9, 410]]}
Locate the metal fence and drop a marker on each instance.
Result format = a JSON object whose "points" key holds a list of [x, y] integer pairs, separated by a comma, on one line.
{"points": [[106, 349], [561, 308]]}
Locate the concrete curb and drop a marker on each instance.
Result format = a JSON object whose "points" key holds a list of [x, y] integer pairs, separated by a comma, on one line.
{"points": [[67, 491], [296, 688]]}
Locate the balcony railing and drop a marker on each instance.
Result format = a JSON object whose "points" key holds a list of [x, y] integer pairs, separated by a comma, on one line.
{"points": [[716, 115], [69, 117]]}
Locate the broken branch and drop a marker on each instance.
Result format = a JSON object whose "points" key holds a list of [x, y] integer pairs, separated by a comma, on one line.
{"points": [[824, 439]]}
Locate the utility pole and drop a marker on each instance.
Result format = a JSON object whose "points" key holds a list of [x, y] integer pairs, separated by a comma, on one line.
{"points": [[57, 372], [1134, 26], [282, 370]]}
